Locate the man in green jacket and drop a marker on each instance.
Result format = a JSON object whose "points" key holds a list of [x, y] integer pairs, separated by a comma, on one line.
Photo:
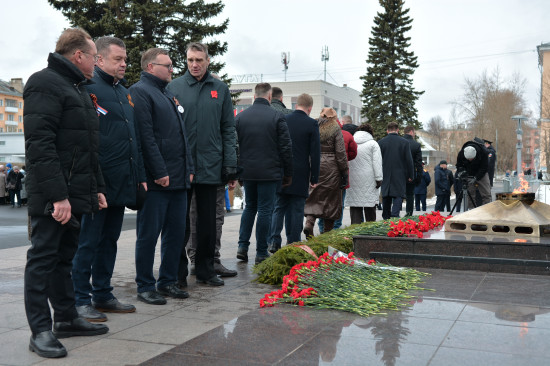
{"points": [[210, 127]]}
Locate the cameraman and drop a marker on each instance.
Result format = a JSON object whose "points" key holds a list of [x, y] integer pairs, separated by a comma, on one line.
{"points": [[473, 159]]}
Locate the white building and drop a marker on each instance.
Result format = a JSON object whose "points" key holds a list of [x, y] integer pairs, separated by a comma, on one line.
{"points": [[344, 100], [12, 147]]}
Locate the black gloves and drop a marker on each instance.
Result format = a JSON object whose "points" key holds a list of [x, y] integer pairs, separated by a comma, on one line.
{"points": [[229, 173], [343, 181], [472, 180], [378, 184], [287, 181]]}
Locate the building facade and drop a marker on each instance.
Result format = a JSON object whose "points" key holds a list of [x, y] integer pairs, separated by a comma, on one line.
{"points": [[12, 140], [345, 100]]}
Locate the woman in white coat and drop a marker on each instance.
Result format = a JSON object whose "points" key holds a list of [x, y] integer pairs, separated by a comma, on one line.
{"points": [[365, 176]]}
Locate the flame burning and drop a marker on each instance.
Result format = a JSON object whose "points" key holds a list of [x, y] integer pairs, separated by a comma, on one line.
{"points": [[523, 184]]}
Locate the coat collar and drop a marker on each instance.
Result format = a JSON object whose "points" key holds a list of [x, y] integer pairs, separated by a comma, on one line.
{"points": [[191, 80], [152, 79], [261, 101], [109, 79], [63, 66]]}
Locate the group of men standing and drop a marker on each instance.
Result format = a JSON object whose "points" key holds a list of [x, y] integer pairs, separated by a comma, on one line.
{"points": [[93, 148]]}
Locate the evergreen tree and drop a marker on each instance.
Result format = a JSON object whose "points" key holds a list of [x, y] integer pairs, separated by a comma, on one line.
{"points": [[142, 24], [388, 94]]}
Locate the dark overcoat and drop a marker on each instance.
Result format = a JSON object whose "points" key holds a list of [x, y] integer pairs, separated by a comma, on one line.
{"points": [[416, 154], [397, 165], [119, 146], [306, 152]]}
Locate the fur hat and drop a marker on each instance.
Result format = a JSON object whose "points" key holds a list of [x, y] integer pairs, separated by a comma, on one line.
{"points": [[329, 113]]}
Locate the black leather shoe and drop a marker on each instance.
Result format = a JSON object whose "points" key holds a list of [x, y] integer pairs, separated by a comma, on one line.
{"points": [[78, 327], [46, 345], [114, 306], [260, 259], [212, 281], [224, 272], [242, 255], [151, 297], [89, 313], [182, 284], [172, 290]]}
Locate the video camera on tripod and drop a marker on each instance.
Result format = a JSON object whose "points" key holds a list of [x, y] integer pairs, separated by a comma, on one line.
{"points": [[466, 180]]}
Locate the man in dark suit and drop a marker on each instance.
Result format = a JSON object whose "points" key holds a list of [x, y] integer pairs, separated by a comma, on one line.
{"points": [[265, 153], [306, 157], [397, 165], [416, 154], [492, 160]]}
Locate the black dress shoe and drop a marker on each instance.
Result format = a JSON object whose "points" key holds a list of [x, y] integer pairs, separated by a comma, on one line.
{"points": [[151, 297], [212, 281], [172, 290], [78, 327], [260, 259], [242, 255], [273, 248], [182, 284], [224, 272], [114, 306], [46, 345], [90, 313]]}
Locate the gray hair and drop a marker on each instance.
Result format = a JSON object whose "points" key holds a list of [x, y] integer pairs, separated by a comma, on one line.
{"points": [[103, 43]]}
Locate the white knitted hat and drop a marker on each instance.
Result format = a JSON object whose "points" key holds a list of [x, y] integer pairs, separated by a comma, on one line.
{"points": [[469, 152]]}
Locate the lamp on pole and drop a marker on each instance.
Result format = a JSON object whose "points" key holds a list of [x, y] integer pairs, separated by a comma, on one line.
{"points": [[519, 143]]}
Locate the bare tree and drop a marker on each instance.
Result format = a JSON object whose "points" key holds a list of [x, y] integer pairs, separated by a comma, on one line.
{"points": [[435, 127], [487, 104]]}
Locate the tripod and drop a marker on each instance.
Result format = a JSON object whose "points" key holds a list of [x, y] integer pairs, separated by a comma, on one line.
{"points": [[461, 195]]}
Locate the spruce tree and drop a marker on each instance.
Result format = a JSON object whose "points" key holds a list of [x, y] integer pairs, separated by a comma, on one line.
{"points": [[388, 94], [141, 24]]}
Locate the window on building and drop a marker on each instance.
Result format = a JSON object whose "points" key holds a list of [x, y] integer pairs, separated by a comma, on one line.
{"points": [[10, 117], [20, 130], [343, 112], [2, 142], [1, 102], [20, 105], [11, 103], [1, 116], [20, 118]]}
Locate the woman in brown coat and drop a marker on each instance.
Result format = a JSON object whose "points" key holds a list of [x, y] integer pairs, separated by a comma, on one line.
{"points": [[325, 198]]}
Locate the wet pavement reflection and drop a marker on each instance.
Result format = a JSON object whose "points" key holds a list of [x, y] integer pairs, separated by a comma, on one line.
{"points": [[471, 319]]}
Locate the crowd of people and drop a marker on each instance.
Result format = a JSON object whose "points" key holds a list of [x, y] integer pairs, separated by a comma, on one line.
{"points": [[171, 149]]}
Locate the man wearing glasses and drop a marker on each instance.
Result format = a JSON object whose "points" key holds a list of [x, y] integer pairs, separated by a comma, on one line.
{"points": [[63, 182], [211, 134], [169, 170]]}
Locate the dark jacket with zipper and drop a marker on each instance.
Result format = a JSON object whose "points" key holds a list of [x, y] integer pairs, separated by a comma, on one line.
{"points": [[162, 132], [61, 139], [265, 148], [209, 123], [119, 148]]}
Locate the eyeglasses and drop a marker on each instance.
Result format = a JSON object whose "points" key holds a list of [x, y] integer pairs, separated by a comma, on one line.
{"points": [[96, 57], [170, 67]]}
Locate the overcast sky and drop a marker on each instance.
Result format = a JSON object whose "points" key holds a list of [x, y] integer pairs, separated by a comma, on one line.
{"points": [[453, 39]]}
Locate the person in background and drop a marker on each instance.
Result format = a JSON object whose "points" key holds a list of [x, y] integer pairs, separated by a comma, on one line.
{"points": [[277, 101], [14, 185], [3, 189], [421, 190], [416, 154], [492, 155], [365, 176], [398, 170], [443, 186], [325, 200]]}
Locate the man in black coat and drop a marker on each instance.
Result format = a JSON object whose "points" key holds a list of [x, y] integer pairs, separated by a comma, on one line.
{"points": [[122, 167], [398, 169], [416, 154], [473, 159], [265, 153], [306, 157], [169, 170], [63, 182], [492, 154]]}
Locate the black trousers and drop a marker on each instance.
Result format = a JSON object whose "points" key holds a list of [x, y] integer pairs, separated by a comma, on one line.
{"points": [[409, 193], [205, 195], [356, 214], [48, 273]]}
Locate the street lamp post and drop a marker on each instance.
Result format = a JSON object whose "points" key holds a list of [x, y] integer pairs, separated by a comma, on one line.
{"points": [[519, 144]]}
